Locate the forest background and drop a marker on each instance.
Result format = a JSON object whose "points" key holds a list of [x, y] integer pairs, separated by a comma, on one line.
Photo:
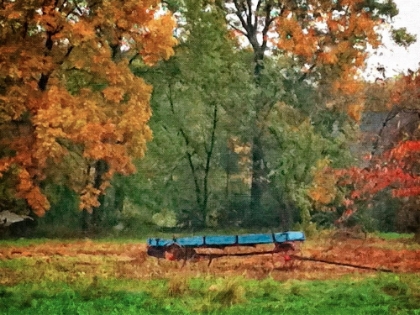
{"points": [[130, 117]]}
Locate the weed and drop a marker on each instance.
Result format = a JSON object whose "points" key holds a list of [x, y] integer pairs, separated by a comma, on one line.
{"points": [[178, 286], [395, 289], [267, 289], [227, 293]]}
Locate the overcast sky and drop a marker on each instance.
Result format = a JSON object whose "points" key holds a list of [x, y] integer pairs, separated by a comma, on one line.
{"points": [[397, 59]]}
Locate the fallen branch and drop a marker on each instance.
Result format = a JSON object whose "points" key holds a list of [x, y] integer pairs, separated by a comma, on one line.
{"points": [[213, 256], [281, 248], [341, 264]]}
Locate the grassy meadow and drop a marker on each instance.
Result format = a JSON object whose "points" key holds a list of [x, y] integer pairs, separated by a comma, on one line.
{"points": [[97, 277]]}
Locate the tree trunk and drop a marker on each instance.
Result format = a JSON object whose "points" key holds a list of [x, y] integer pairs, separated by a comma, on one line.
{"points": [[101, 167], [258, 175], [119, 198], [85, 220], [256, 22], [417, 235], [93, 219]]}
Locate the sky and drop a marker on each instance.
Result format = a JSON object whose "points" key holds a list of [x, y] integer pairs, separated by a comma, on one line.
{"points": [[397, 59]]}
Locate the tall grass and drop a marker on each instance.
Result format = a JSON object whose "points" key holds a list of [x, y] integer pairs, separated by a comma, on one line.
{"points": [[382, 294]]}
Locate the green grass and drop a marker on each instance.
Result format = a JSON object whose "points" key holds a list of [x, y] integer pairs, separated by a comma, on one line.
{"points": [[383, 294], [25, 241], [395, 236]]}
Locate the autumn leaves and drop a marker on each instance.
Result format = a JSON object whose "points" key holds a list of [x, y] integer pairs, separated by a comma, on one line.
{"points": [[65, 82]]}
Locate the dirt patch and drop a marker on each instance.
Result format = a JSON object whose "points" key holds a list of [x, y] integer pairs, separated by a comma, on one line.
{"points": [[131, 260]]}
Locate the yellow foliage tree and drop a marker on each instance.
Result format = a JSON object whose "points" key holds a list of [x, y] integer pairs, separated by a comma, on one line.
{"points": [[68, 99], [323, 189]]}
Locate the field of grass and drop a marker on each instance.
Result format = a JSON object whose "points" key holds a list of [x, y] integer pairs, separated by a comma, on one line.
{"points": [[97, 277], [375, 295]]}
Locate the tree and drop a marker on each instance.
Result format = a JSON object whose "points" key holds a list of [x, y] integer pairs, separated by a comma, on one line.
{"points": [[327, 41], [394, 168], [71, 111], [196, 100], [297, 179]]}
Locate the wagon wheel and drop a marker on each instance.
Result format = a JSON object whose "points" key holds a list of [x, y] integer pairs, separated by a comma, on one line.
{"points": [[295, 262], [178, 252], [286, 251]]}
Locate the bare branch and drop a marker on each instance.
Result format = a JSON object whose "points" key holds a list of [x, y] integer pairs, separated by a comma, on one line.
{"points": [[78, 8], [238, 29], [268, 21], [256, 12], [62, 5], [240, 17], [249, 15]]}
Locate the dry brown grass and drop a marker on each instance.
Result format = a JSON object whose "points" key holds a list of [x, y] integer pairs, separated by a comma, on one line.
{"points": [[90, 259]]}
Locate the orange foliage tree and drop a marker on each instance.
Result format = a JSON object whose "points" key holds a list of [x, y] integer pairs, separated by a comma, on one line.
{"points": [[331, 38], [328, 39], [71, 111]]}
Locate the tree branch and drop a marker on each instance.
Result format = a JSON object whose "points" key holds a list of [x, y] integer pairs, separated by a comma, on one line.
{"points": [[208, 160], [240, 17], [391, 115], [238, 29], [188, 154], [256, 12], [267, 24], [249, 15]]}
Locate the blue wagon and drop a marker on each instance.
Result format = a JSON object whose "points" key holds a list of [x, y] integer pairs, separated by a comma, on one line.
{"points": [[184, 248]]}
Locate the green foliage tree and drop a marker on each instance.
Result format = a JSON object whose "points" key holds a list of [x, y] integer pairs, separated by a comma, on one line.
{"points": [[196, 102], [186, 90], [296, 121], [326, 40], [299, 135]]}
